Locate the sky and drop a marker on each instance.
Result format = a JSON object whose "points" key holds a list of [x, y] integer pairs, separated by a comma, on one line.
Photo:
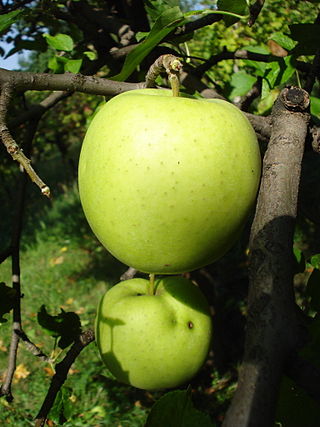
{"points": [[10, 63]]}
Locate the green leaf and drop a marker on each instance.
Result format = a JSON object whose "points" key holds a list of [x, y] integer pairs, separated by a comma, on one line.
{"points": [[56, 64], [65, 325], [313, 289], [315, 106], [307, 36], [8, 19], [295, 408], [38, 45], [61, 410], [176, 409], [299, 261], [7, 299], [60, 42], [163, 26], [73, 65], [277, 73], [154, 8], [283, 40], [315, 261], [241, 83], [90, 54], [238, 7]]}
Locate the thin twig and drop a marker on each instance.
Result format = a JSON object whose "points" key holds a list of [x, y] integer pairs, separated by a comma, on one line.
{"points": [[31, 347], [16, 285], [255, 10], [60, 376], [11, 145]]}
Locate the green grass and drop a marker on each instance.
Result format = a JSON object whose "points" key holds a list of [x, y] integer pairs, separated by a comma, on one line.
{"points": [[63, 266]]}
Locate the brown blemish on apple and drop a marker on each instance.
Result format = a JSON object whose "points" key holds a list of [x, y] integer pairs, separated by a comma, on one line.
{"points": [[190, 325]]}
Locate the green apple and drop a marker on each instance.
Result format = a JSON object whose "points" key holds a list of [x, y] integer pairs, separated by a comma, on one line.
{"points": [[154, 341], [165, 182]]}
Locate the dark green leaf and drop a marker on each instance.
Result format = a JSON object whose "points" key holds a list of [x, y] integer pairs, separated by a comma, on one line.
{"points": [[176, 409], [295, 408], [313, 289], [60, 42], [65, 325], [62, 408], [163, 26], [307, 36], [7, 298], [38, 45], [299, 261], [239, 7], [8, 19], [154, 8]]}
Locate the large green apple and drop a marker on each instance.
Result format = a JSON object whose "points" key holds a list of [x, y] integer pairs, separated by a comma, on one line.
{"points": [[154, 341], [166, 183]]}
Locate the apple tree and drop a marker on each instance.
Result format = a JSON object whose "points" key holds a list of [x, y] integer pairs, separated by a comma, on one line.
{"points": [[262, 289]]}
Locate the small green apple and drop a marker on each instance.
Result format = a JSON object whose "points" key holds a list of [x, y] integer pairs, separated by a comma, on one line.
{"points": [[165, 182], [154, 341]]}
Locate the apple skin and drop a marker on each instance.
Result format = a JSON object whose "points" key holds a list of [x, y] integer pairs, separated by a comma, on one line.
{"points": [[154, 341], [167, 183]]}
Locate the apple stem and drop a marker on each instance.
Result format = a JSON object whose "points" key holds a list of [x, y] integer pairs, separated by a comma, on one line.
{"points": [[151, 284], [171, 65], [175, 84]]}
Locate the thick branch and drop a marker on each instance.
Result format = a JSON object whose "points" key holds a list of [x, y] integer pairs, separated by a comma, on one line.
{"points": [[65, 82], [272, 328], [60, 376]]}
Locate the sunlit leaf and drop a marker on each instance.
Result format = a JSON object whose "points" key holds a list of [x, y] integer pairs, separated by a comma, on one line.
{"points": [[241, 83], [8, 19], [163, 26], [73, 65], [60, 42]]}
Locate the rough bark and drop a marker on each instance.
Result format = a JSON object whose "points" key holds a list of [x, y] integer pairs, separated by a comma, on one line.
{"points": [[273, 325]]}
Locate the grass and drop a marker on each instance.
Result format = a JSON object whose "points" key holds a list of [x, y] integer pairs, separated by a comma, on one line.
{"points": [[63, 266]]}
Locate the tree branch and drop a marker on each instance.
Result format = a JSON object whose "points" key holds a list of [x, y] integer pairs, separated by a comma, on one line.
{"points": [[31, 347], [11, 145], [272, 327], [65, 82], [255, 10], [242, 54], [60, 376]]}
